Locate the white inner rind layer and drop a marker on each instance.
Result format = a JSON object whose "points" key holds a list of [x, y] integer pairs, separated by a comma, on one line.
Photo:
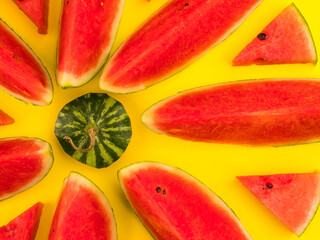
{"points": [[69, 80], [48, 96], [47, 161], [107, 86], [130, 171]]}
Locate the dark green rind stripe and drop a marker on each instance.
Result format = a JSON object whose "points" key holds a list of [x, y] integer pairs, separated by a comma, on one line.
{"points": [[94, 110]]}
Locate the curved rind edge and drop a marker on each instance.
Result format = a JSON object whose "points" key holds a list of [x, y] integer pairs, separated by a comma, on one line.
{"points": [[48, 161], [112, 89], [100, 196], [84, 79], [126, 171], [48, 79]]}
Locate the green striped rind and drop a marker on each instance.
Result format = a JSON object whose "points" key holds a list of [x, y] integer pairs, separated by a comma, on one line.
{"points": [[94, 110]]}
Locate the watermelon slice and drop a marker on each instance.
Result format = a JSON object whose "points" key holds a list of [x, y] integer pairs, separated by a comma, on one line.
{"points": [[21, 72], [287, 39], [23, 227], [87, 31], [174, 37], [37, 11], [292, 198], [266, 112], [5, 119], [83, 212], [23, 163], [174, 205]]}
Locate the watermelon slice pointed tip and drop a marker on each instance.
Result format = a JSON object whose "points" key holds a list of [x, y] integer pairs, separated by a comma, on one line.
{"points": [[285, 40], [292, 198], [23, 227]]}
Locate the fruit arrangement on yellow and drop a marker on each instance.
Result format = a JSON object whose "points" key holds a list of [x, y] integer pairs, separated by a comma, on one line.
{"points": [[78, 159]]}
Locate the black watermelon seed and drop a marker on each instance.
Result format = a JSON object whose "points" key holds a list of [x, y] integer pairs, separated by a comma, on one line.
{"points": [[164, 192], [158, 189], [269, 185], [262, 36]]}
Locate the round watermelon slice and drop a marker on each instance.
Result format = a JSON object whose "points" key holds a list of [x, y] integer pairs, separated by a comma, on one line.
{"points": [[292, 198], [21, 72], [23, 163], [94, 129], [23, 227], [83, 212], [174, 205], [287, 39], [270, 112]]}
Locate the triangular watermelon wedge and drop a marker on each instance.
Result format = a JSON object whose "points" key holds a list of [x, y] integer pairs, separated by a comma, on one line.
{"points": [[23, 227], [5, 119], [287, 39], [292, 198], [37, 11]]}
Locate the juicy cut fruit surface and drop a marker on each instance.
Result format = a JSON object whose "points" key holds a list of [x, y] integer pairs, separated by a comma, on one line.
{"points": [[292, 198], [264, 112], [37, 11], [174, 205], [87, 31], [287, 39], [23, 227], [175, 36], [83, 212], [21, 72], [23, 163], [5, 119]]}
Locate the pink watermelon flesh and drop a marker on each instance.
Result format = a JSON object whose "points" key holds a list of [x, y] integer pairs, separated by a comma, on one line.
{"points": [[23, 227], [87, 31], [23, 163], [21, 72], [265, 112], [37, 11], [5, 119], [171, 39], [82, 213], [292, 198], [287, 39], [173, 205]]}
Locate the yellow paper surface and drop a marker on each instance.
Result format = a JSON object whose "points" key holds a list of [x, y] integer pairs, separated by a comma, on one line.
{"points": [[213, 164]]}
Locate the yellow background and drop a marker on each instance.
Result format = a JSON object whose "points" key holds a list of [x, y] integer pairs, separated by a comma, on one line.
{"points": [[215, 165]]}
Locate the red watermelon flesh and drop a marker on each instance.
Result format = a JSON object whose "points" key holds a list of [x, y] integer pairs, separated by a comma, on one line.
{"points": [[87, 31], [23, 227], [83, 212], [265, 112], [21, 72], [5, 119], [23, 163], [37, 11], [287, 39], [174, 37], [292, 198], [173, 205]]}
